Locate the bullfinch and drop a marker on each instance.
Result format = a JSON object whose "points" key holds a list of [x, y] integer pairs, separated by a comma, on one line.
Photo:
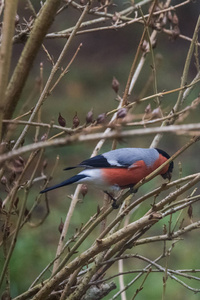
{"points": [[119, 169]]}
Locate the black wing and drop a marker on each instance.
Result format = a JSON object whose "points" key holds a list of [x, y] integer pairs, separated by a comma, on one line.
{"points": [[98, 161]]}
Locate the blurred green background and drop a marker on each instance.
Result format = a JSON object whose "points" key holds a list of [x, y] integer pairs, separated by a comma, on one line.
{"points": [[87, 85]]}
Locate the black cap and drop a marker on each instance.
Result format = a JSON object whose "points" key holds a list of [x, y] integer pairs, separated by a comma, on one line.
{"points": [[171, 165]]}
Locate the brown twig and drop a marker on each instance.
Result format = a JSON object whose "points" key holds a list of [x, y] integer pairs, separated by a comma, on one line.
{"points": [[32, 46], [6, 51]]}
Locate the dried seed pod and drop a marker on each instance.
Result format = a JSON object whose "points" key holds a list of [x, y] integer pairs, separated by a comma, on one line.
{"points": [[148, 109], [89, 117], [101, 118], [44, 137], [18, 162], [116, 16], [163, 21], [84, 190], [122, 112], [60, 227], [175, 33], [4, 180], [175, 19], [156, 113], [61, 120], [17, 165], [16, 20], [190, 211], [145, 46], [76, 121], [169, 16], [115, 85]]}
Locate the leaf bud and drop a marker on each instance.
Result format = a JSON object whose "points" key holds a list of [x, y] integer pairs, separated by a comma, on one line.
{"points": [[122, 112], [16, 20], [61, 120], [44, 137], [76, 121], [84, 190], [145, 46], [156, 113], [175, 19], [4, 180], [60, 227], [115, 85], [148, 109], [101, 118], [89, 117], [190, 211]]}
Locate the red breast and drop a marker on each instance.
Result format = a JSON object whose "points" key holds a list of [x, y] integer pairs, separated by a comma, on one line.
{"points": [[125, 177], [159, 162]]}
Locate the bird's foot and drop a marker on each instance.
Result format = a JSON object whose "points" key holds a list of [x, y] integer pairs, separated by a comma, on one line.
{"points": [[132, 190], [114, 204]]}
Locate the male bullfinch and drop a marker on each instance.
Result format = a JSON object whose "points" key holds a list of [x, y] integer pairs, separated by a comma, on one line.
{"points": [[119, 169]]}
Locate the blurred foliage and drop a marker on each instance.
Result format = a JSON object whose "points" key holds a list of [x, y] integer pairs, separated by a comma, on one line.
{"points": [[87, 85]]}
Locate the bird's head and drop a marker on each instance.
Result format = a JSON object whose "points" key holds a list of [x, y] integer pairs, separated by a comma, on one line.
{"points": [[168, 173]]}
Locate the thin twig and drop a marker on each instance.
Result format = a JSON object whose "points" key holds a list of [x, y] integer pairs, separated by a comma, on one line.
{"points": [[6, 51], [51, 76], [177, 129]]}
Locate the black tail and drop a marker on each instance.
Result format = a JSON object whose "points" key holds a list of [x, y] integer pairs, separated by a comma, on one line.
{"points": [[70, 168], [66, 182]]}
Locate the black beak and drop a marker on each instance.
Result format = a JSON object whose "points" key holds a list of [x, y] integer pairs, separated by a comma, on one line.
{"points": [[167, 175]]}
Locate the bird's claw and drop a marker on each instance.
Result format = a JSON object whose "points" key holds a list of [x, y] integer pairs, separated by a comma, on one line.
{"points": [[114, 204], [132, 190]]}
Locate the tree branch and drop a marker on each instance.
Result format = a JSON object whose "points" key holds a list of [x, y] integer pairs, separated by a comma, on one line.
{"points": [[32, 46]]}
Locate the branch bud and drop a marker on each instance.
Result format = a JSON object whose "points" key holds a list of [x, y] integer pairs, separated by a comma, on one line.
{"points": [[101, 118], [60, 227], [122, 113], [61, 120], [89, 117], [76, 121], [84, 190], [115, 85]]}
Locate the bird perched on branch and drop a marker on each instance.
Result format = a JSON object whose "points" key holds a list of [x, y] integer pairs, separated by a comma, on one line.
{"points": [[119, 169]]}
